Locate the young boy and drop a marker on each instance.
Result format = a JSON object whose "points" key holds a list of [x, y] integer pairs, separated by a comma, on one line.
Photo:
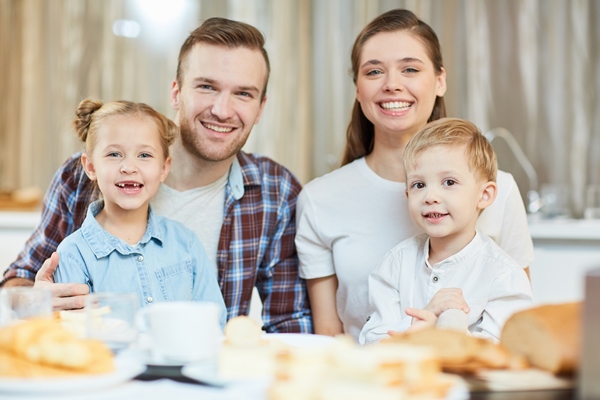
{"points": [[450, 178]]}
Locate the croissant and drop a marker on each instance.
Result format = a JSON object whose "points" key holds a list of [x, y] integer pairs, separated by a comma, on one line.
{"points": [[42, 347]]}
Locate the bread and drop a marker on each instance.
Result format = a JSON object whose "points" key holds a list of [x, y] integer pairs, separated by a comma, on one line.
{"points": [[42, 347], [245, 353], [548, 336], [243, 331], [75, 320], [346, 371], [459, 352]]}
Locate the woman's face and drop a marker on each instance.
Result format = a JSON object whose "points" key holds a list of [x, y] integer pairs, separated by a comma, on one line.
{"points": [[397, 84]]}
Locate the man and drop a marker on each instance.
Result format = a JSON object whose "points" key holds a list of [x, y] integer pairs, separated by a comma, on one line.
{"points": [[241, 206]]}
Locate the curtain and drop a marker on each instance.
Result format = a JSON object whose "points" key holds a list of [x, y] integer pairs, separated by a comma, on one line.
{"points": [[529, 66]]}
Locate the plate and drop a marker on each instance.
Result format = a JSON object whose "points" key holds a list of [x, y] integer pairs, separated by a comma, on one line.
{"points": [[126, 369], [302, 339], [517, 380]]}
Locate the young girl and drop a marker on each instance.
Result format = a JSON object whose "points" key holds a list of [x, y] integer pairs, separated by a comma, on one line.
{"points": [[122, 245]]}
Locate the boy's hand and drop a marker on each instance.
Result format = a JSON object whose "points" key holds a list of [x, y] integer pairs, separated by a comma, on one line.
{"points": [[445, 299], [421, 319]]}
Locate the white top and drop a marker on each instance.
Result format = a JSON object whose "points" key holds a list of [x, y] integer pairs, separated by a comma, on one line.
{"points": [[200, 209], [493, 285], [348, 219]]}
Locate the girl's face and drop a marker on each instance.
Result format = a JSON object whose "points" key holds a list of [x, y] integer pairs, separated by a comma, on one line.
{"points": [[127, 161], [397, 84]]}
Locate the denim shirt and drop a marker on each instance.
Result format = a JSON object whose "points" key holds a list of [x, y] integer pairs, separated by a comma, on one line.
{"points": [[168, 264]]}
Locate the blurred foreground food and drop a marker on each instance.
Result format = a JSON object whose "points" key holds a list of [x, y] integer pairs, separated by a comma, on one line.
{"points": [[337, 370], [43, 348], [548, 336], [461, 353]]}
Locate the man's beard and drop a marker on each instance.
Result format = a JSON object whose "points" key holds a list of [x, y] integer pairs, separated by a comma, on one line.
{"points": [[205, 149]]}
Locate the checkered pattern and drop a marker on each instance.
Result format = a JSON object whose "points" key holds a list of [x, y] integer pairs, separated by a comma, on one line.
{"points": [[256, 246]]}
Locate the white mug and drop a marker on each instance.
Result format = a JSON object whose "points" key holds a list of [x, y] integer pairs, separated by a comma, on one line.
{"points": [[182, 331]]}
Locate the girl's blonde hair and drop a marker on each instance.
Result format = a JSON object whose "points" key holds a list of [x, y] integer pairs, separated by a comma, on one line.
{"points": [[454, 132], [92, 113]]}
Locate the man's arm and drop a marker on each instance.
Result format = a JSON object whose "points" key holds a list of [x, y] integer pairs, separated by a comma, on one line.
{"points": [[17, 282], [283, 292], [65, 204]]}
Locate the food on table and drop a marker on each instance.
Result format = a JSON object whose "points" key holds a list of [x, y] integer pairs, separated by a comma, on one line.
{"points": [[347, 371], [549, 336], [459, 352], [75, 320], [245, 353], [341, 369], [43, 348]]}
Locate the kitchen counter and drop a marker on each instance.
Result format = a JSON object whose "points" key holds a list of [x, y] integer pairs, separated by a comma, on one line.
{"points": [[15, 229], [565, 250], [564, 229]]}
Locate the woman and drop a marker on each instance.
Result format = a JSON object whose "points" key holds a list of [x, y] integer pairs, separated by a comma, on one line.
{"points": [[348, 219]]}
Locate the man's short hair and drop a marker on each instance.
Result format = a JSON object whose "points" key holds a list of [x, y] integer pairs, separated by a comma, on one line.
{"points": [[228, 33]]}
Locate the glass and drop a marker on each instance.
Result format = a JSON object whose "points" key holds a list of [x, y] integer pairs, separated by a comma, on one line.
{"points": [[592, 202], [555, 200], [19, 303], [110, 318]]}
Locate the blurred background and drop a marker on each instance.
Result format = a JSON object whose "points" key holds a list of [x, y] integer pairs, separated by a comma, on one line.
{"points": [[528, 66]]}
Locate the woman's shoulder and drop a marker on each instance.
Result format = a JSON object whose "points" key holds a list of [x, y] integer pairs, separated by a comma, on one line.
{"points": [[505, 178], [340, 179]]}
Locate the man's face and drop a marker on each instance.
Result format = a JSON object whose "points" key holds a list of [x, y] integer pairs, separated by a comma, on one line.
{"points": [[219, 99]]}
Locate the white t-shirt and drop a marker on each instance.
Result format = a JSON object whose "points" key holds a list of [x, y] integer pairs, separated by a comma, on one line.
{"points": [[200, 209], [348, 219], [493, 285]]}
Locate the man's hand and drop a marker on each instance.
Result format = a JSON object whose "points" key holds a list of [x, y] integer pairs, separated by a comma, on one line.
{"points": [[445, 299], [65, 296]]}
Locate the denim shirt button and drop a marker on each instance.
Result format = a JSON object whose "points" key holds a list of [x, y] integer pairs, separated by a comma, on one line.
{"points": [[149, 299], [435, 278], [140, 258]]}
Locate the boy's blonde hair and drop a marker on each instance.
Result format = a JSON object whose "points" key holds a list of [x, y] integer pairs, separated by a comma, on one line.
{"points": [[454, 132]]}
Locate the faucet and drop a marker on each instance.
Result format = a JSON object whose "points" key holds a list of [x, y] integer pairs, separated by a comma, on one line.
{"points": [[534, 200]]}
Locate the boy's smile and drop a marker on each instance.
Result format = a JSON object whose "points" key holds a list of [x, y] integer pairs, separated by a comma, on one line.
{"points": [[444, 196]]}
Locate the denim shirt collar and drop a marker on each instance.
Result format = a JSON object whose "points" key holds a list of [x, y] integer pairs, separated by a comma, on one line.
{"points": [[103, 243]]}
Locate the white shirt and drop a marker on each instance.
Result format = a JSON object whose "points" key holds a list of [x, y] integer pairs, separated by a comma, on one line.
{"points": [[200, 209], [493, 285], [348, 219]]}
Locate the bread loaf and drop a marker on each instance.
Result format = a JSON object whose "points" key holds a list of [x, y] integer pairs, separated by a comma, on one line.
{"points": [[548, 336], [42, 347]]}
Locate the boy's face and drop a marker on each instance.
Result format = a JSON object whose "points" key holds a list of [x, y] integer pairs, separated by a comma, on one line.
{"points": [[444, 196]]}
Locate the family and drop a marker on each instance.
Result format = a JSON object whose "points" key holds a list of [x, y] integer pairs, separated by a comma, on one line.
{"points": [[416, 221]]}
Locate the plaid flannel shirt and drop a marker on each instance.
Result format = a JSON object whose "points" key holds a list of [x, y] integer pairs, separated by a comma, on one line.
{"points": [[256, 245]]}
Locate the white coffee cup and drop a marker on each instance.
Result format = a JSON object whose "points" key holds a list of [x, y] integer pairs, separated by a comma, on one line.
{"points": [[181, 332]]}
